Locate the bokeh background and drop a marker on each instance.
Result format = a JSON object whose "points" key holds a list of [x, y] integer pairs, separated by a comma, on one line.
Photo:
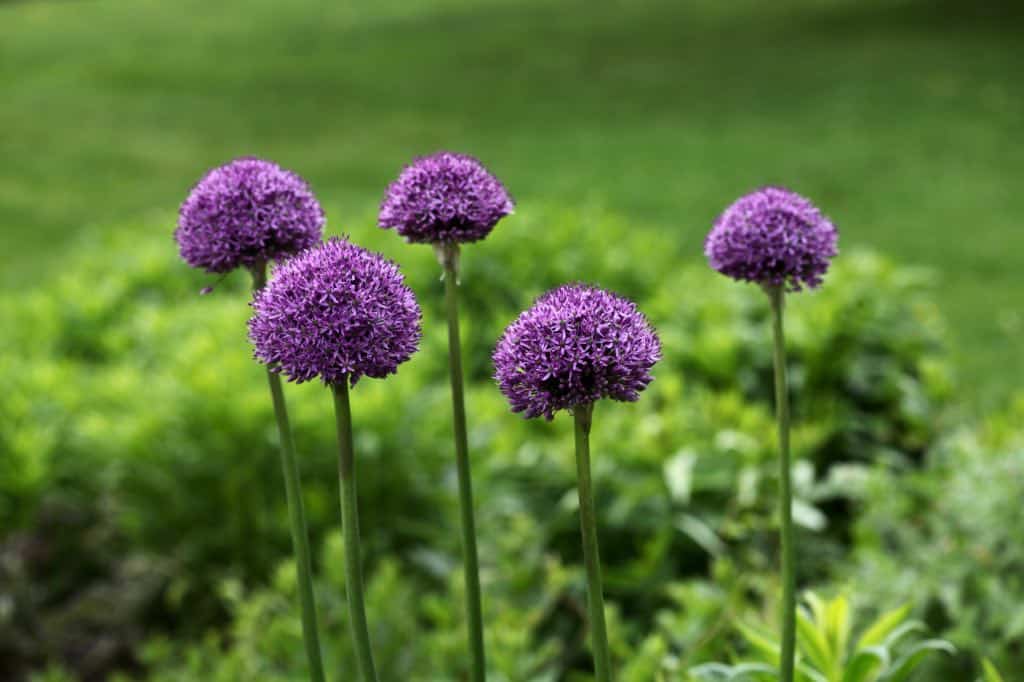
{"points": [[140, 504]]}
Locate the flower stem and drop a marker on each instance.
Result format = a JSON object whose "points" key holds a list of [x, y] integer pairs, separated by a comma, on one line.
{"points": [[350, 531], [471, 569], [777, 296], [296, 513], [582, 415]]}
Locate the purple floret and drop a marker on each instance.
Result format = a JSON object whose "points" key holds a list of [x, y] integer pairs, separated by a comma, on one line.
{"points": [[247, 212], [445, 198], [338, 312], [575, 345], [774, 237]]}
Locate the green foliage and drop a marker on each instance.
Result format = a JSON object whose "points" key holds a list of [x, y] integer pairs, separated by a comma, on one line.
{"points": [[417, 636], [949, 538], [132, 396], [865, 362], [991, 674], [887, 650]]}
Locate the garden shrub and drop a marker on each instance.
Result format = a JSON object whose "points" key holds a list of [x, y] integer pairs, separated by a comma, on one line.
{"points": [[417, 637], [134, 398], [948, 538]]}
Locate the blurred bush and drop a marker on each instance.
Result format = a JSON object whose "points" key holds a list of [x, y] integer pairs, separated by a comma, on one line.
{"points": [[949, 538], [134, 414]]}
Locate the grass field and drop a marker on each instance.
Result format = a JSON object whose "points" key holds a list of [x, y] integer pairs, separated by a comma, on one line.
{"points": [[904, 120]]}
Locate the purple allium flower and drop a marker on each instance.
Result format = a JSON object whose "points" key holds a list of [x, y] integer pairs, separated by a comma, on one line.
{"points": [[575, 345], [247, 212], [444, 198], [773, 237], [336, 311]]}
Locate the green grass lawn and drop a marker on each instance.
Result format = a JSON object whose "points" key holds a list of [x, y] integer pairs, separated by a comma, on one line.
{"points": [[904, 120]]}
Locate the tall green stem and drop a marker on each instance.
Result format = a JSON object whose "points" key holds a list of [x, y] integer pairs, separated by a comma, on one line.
{"points": [[296, 513], [777, 295], [582, 415], [449, 258], [350, 531]]}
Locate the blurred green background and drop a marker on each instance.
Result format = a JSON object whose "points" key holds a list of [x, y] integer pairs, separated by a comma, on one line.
{"points": [[141, 514], [901, 118]]}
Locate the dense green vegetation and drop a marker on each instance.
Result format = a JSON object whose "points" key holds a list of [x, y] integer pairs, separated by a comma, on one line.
{"points": [[136, 417], [142, 522]]}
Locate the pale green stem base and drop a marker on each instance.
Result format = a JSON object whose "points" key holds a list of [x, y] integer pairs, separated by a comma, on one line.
{"points": [[788, 610], [350, 532], [449, 254], [591, 556], [296, 514]]}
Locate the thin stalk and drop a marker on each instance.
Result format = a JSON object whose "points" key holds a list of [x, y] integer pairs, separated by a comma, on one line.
{"points": [[591, 556], [296, 513], [350, 531], [471, 568], [777, 296]]}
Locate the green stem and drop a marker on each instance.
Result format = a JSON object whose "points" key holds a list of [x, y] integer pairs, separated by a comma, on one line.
{"points": [[350, 531], [591, 557], [777, 295], [449, 257], [296, 513]]}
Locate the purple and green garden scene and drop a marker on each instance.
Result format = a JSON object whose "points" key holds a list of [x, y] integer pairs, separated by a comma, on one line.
{"points": [[511, 341]]}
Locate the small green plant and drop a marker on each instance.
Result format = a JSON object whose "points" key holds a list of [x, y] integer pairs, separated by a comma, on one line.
{"points": [[886, 651]]}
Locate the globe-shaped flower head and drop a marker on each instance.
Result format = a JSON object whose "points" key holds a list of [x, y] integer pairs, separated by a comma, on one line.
{"points": [[338, 312], [445, 198], [575, 345], [773, 237], [245, 213]]}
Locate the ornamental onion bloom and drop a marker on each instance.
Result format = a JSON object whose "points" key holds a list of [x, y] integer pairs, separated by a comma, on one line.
{"points": [[575, 345], [444, 198], [246, 213], [773, 237], [338, 312], [780, 240]]}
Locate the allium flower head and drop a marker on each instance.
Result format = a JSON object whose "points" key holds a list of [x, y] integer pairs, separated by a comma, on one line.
{"points": [[773, 237], [247, 212], [575, 345], [444, 198], [338, 312]]}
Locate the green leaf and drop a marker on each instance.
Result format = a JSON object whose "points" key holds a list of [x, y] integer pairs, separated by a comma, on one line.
{"points": [[679, 475], [761, 642], [883, 625], [838, 629], [866, 664], [902, 631], [902, 669], [742, 672], [711, 671], [753, 672], [991, 674], [818, 608], [808, 516], [805, 673], [701, 533], [813, 642]]}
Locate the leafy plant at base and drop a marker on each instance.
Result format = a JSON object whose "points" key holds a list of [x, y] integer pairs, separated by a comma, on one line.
{"points": [[886, 651]]}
